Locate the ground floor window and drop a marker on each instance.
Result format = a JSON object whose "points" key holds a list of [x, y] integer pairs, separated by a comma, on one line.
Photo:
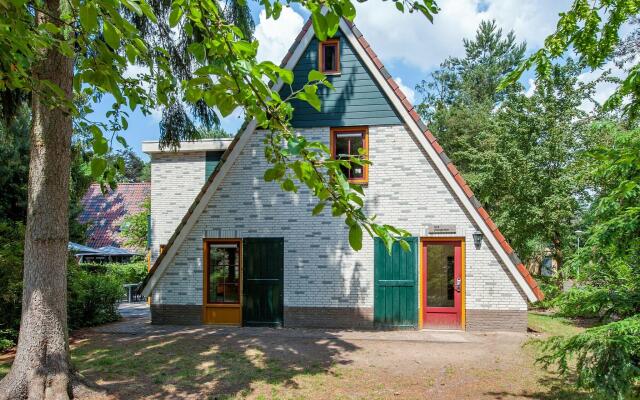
{"points": [[222, 259]]}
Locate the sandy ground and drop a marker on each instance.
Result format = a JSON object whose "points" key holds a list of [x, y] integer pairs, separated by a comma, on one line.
{"points": [[133, 359]]}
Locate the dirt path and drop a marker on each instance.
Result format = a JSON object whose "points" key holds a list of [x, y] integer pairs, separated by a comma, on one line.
{"points": [[133, 359]]}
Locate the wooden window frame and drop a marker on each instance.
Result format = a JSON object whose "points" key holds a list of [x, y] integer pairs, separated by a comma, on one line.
{"points": [[205, 247], [321, 45], [365, 142]]}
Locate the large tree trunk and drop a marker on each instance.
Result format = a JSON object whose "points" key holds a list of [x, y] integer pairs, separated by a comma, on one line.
{"points": [[41, 369]]}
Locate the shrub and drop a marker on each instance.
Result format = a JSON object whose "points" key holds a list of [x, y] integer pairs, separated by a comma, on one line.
{"points": [[11, 239], [92, 298], [133, 272], [607, 358]]}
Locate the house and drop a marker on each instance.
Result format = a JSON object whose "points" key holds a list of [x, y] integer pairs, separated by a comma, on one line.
{"points": [[247, 253], [104, 213]]}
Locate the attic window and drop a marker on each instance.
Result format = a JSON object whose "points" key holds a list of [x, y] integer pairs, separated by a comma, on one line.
{"points": [[350, 144], [329, 56]]}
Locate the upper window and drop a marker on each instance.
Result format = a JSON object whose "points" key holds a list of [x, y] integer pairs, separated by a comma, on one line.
{"points": [[223, 284], [350, 144], [329, 56]]}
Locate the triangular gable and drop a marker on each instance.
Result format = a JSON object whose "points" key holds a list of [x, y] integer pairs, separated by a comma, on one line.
{"points": [[405, 109], [356, 100]]}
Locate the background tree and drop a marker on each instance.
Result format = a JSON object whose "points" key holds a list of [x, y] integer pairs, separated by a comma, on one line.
{"points": [[608, 362], [135, 228], [215, 133], [516, 149]]}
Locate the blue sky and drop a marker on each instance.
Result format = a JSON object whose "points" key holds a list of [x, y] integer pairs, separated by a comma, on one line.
{"points": [[408, 45]]}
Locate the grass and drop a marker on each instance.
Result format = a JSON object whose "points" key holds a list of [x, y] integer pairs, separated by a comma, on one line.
{"points": [[552, 325]]}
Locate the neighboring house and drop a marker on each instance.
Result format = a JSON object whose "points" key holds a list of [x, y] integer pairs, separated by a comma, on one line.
{"points": [[244, 252], [105, 213]]}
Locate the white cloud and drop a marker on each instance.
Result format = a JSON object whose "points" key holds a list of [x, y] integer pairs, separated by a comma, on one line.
{"points": [[531, 89], [276, 36], [413, 40], [603, 89], [410, 93]]}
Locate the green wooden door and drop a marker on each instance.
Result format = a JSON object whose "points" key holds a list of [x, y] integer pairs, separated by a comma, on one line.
{"points": [[262, 281], [396, 285]]}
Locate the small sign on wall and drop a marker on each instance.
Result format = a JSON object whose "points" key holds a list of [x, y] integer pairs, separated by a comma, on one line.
{"points": [[441, 230]]}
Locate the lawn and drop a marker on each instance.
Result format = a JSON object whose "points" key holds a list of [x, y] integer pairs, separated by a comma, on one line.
{"points": [[199, 364], [552, 325]]}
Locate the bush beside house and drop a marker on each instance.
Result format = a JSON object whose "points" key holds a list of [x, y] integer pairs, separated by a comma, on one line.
{"points": [[93, 290]]}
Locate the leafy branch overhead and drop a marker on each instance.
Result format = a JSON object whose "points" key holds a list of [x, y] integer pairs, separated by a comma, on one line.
{"points": [[592, 30], [106, 40]]}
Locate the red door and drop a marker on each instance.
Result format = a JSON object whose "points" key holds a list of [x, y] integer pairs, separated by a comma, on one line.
{"points": [[442, 284]]}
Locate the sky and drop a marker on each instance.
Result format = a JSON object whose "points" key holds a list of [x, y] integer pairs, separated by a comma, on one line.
{"points": [[408, 44]]}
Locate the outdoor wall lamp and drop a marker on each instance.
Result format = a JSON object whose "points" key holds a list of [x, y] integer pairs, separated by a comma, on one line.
{"points": [[477, 239]]}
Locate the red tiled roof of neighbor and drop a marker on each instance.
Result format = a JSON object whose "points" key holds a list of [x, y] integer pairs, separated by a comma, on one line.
{"points": [[105, 213]]}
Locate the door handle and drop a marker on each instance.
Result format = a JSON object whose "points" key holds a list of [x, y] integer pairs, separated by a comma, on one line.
{"points": [[458, 284]]}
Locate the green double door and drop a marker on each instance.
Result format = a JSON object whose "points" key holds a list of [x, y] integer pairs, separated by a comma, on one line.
{"points": [[396, 285], [262, 281]]}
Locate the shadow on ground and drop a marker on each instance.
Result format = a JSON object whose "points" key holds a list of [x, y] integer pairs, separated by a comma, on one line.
{"points": [[201, 363], [551, 388]]}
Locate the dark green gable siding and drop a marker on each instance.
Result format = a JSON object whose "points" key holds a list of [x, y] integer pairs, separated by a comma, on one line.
{"points": [[212, 159], [356, 100]]}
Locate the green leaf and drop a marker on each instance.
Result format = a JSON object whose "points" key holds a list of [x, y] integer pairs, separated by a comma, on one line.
{"points": [[98, 165], [286, 76], [348, 10], [226, 105], [289, 186], [122, 141], [319, 25], [111, 35], [311, 98], [294, 145], [405, 245], [355, 237], [399, 5], [318, 208], [333, 23], [100, 145], [175, 15], [88, 17], [316, 76], [148, 11]]}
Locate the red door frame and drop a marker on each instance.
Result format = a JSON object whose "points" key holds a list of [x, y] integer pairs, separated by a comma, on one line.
{"points": [[443, 317]]}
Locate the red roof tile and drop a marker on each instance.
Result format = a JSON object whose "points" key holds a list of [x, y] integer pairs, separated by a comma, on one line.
{"points": [[104, 214]]}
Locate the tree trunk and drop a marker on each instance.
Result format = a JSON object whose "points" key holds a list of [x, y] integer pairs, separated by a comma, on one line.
{"points": [[41, 369]]}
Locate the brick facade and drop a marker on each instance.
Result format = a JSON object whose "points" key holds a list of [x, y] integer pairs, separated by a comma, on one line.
{"points": [[497, 320], [329, 317], [321, 271], [176, 180], [176, 314]]}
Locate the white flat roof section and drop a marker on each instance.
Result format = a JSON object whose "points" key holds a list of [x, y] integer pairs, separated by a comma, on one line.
{"points": [[150, 146]]}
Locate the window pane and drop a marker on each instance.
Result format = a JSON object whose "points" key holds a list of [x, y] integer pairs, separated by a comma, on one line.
{"points": [[232, 293], [342, 146], [347, 146], [329, 51], [440, 270], [224, 270]]}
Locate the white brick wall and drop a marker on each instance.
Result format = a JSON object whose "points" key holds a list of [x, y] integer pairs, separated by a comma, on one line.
{"points": [[320, 269], [176, 179]]}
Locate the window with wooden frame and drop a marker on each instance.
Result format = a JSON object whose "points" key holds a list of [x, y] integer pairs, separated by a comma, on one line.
{"points": [[350, 144], [222, 263], [329, 57]]}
